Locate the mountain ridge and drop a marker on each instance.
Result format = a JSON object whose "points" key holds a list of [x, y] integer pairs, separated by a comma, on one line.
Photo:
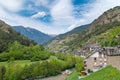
{"points": [[106, 21], [33, 34]]}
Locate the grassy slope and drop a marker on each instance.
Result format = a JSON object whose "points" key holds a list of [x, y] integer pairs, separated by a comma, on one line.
{"points": [[108, 73], [73, 76]]}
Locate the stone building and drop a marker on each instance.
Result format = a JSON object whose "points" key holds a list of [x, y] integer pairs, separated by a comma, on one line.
{"points": [[102, 57], [114, 60], [95, 61]]}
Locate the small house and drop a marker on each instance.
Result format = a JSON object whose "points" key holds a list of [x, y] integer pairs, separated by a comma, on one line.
{"points": [[95, 61]]}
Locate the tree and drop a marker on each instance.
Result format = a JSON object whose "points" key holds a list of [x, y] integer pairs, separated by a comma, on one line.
{"points": [[2, 72], [79, 64]]}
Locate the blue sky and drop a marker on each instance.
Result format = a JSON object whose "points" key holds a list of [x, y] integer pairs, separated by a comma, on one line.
{"points": [[53, 16]]}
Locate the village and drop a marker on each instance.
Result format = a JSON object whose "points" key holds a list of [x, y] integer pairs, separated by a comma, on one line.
{"points": [[97, 57]]}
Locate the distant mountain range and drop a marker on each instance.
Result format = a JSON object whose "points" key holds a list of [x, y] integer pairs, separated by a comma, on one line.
{"points": [[33, 34], [84, 36]]}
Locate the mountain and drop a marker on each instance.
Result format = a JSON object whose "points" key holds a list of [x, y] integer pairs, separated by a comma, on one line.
{"points": [[33, 34], [59, 43], [79, 41], [8, 35]]}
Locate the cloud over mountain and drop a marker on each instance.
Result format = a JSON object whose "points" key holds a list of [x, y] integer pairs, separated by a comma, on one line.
{"points": [[53, 17]]}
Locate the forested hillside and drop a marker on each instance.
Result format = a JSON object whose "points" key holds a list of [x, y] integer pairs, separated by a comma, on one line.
{"points": [[8, 35]]}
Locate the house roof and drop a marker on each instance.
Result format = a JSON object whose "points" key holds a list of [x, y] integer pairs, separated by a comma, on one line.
{"points": [[92, 54]]}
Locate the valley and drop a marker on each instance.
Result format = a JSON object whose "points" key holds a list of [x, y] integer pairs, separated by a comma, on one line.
{"points": [[87, 52]]}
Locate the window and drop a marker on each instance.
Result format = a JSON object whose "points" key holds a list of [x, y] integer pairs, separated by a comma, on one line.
{"points": [[95, 59]]}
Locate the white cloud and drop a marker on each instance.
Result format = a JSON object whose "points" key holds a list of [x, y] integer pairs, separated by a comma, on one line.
{"points": [[61, 13], [98, 8], [39, 15], [46, 3], [93, 10], [12, 5], [63, 8]]}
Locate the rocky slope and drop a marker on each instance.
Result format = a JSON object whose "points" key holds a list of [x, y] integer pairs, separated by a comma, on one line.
{"points": [[73, 42]]}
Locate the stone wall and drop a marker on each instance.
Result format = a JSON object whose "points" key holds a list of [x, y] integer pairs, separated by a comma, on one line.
{"points": [[92, 64], [114, 61]]}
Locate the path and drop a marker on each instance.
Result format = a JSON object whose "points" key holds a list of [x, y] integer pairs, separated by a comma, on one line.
{"points": [[59, 77]]}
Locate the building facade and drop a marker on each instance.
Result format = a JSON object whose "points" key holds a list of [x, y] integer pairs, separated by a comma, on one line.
{"points": [[105, 56], [95, 61]]}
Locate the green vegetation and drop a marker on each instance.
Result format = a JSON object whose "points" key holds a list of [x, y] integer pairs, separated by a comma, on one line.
{"points": [[20, 70], [21, 58], [73, 76], [16, 51], [108, 73], [110, 37], [30, 62], [79, 64], [17, 62], [8, 35]]}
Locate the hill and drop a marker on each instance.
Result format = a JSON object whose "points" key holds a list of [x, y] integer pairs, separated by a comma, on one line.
{"points": [[106, 21], [33, 34], [8, 35]]}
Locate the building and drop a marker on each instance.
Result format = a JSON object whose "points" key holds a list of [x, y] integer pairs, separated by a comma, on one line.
{"points": [[95, 61], [113, 56], [110, 50], [102, 57], [114, 60], [95, 48]]}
